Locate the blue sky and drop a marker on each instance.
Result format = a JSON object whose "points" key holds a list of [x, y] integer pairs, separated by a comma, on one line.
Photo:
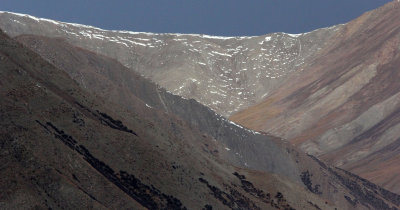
{"points": [[214, 17]]}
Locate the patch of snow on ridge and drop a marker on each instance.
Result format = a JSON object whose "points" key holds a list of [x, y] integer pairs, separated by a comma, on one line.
{"points": [[141, 39], [157, 34], [132, 42], [267, 39], [294, 35], [216, 37], [23, 15], [134, 33], [18, 22], [86, 34], [51, 21]]}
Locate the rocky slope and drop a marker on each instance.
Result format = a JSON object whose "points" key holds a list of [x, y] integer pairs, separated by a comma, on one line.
{"points": [[226, 74], [344, 107], [239, 146], [63, 148], [109, 135]]}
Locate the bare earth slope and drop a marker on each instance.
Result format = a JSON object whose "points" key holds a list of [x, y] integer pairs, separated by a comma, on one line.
{"points": [[299, 173], [226, 74], [345, 106]]}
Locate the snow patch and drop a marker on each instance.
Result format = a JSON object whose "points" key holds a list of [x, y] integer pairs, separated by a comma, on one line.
{"points": [[178, 40], [267, 39], [294, 35], [222, 54], [141, 39]]}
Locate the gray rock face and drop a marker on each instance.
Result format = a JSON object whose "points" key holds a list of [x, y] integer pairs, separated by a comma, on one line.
{"points": [[226, 74], [243, 147]]}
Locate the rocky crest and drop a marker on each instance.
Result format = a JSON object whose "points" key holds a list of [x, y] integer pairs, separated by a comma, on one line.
{"points": [[226, 74]]}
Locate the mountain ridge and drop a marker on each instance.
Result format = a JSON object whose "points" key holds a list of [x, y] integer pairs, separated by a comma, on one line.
{"points": [[223, 73]]}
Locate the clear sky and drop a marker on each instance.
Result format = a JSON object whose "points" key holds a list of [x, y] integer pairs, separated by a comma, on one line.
{"points": [[213, 17]]}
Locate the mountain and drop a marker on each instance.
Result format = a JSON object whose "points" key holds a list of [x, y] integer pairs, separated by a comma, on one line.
{"points": [[304, 181], [117, 140], [242, 71], [226, 74], [345, 106], [64, 148]]}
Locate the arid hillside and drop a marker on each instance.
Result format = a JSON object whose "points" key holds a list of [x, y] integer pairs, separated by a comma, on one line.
{"points": [[91, 119], [345, 106]]}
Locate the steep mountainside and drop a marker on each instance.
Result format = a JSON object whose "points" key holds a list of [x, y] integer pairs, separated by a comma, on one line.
{"points": [[226, 74], [237, 145], [117, 140], [345, 106], [62, 148]]}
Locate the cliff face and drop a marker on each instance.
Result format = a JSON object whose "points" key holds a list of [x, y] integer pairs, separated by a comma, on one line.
{"points": [[344, 107], [226, 74]]}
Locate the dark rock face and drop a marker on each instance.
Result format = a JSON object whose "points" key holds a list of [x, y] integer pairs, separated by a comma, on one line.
{"points": [[226, 74], [306, 179]]}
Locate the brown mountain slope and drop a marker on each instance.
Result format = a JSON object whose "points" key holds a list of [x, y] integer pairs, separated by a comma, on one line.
{"points": [[344, 107], [307, 174]]}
